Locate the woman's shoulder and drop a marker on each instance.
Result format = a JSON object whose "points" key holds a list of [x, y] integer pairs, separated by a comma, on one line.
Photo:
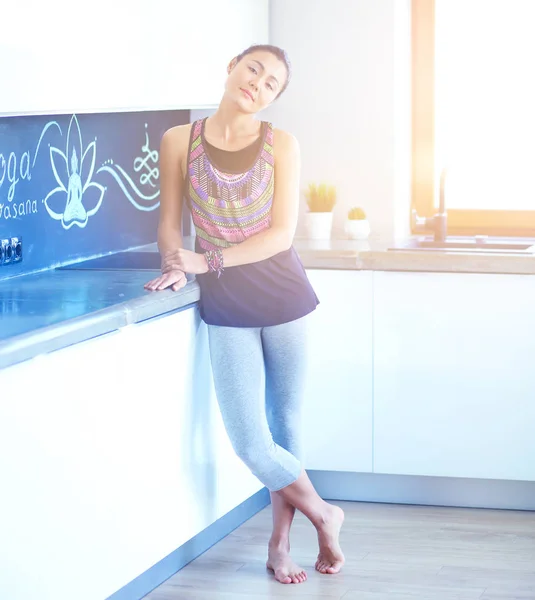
{"points": [[284, 143], [178, 134], [175, 141]]}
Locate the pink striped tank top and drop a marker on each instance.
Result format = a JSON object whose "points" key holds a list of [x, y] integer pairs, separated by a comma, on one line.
{"points": [[228, 205]]}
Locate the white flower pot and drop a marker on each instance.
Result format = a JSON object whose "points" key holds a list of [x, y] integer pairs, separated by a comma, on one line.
{"points": [[357, 229], [319, 225]]}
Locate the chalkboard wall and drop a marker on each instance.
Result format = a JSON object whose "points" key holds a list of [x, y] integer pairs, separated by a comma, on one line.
{"points": [[76, 186]]}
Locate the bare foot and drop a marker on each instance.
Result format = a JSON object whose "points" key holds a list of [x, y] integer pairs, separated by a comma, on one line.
{"points": [[286, 571], [330, 557]]}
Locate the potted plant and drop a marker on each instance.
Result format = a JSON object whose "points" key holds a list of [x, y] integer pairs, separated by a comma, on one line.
{"points": [[357, 225], [319, 218]]}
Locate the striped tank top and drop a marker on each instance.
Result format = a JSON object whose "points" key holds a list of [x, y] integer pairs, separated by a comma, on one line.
{"points": [[230, 195]]}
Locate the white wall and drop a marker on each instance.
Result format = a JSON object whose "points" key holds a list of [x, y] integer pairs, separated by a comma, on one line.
{"points": [[349, 102]]}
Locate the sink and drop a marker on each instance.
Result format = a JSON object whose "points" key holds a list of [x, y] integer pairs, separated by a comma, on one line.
{"points": [[120, 261], [471, 245]]}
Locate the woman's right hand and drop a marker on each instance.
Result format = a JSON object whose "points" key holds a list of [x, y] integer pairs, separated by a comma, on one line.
{"points": [[174, 279]]}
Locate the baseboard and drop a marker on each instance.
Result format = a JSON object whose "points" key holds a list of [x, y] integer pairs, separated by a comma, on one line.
{"points": [[436, 491], [161, 571]]}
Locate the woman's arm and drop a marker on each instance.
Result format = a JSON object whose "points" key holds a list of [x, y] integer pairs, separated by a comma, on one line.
{"points": [[284, 213], [171, 189], [172, 147]]}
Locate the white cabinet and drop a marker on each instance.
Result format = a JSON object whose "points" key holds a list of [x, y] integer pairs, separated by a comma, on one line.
{"points": [[454, 375], [338, 403], [112, 455], [123, 56]]}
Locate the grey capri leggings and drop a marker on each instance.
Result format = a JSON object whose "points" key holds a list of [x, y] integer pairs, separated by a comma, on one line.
{"points": [[263, 422]]}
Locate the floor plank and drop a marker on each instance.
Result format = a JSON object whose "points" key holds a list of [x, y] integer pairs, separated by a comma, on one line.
{"points": [[394, 552]]}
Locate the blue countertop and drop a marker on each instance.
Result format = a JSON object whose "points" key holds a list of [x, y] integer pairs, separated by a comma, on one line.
{"points": [[47, 311], [49, 298]]}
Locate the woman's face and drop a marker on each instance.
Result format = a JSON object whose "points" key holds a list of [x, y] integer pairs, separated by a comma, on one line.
{"points": [[256, 80]]}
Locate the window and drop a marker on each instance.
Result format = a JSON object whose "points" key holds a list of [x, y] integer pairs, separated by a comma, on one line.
{"points": [[474, 113]]}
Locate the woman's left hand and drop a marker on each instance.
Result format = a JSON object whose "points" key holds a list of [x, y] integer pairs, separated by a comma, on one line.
{"points": [[185, 260]]}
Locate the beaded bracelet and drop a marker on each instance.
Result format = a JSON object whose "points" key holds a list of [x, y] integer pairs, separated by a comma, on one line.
{"points": [[214, 258]]}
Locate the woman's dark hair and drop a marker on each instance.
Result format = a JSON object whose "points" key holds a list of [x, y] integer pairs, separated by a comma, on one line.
{"points": [[276, 51]]}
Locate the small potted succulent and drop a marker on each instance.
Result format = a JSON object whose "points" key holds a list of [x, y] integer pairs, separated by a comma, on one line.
{"points": [[357, 225], [319, 218]]}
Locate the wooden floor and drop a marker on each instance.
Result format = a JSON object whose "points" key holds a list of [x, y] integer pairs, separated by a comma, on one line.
{"points": [[399, 552]]}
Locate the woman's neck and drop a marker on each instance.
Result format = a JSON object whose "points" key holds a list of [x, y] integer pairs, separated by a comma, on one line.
{"points": [[228, 125]]}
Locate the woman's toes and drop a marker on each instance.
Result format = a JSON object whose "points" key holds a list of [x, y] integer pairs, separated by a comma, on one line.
{"points": [[334, 568]]}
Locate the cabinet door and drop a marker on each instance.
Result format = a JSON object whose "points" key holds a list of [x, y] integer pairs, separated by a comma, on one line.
{"points": [[113, 447], [338, 406], [454, 381], [161, 55]]}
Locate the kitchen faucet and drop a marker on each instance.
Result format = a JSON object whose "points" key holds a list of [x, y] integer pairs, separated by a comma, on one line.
{"points": [[438, 223]]}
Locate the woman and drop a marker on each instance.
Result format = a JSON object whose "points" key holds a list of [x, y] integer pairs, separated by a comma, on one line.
{"points": [[241, 180]]}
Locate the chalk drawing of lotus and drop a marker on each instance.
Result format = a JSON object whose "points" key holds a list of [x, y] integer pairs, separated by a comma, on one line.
{"points": [[77, 197]]}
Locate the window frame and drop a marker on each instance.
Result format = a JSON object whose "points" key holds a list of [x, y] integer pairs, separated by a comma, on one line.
{"points": [[424, 191]]}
